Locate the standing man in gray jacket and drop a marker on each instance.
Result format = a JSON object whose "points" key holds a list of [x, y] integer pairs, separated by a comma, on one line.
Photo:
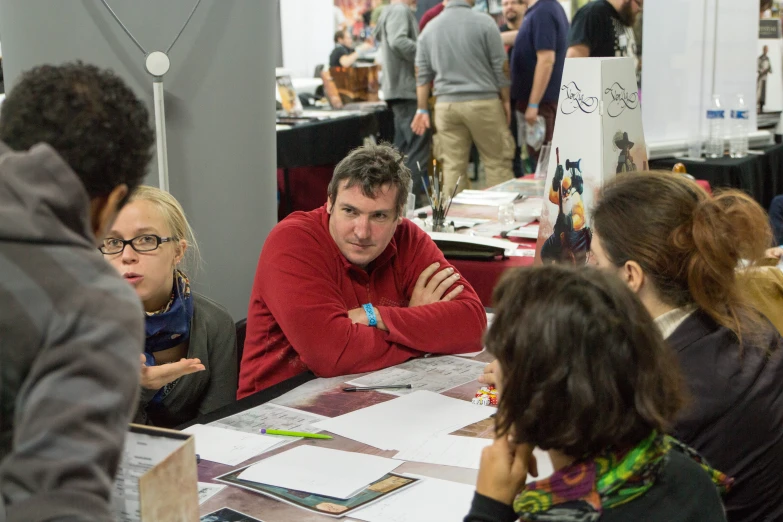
{"points": [[397, 31], [462, 51], [75, 143]]}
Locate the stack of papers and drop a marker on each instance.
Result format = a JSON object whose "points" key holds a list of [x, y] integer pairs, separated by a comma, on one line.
{"points": [[328, 472], [432, 499], [229, 446], [482, 197], [436, 374], [407, 421]]}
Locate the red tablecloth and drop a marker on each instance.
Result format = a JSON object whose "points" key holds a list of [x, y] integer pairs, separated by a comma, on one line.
{"points": [[483, 275]]}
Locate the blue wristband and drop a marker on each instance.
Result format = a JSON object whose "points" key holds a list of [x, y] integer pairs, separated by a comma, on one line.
{"points": [[532, 106], [370, 314], [422, 111]]}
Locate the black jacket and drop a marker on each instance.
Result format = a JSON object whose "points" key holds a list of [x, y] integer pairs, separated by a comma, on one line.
{"points": [[735, 416], [683, 493]]}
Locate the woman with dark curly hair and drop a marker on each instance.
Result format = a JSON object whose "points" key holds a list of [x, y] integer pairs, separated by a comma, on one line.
{"points": [[679, 249], [584, 373]]}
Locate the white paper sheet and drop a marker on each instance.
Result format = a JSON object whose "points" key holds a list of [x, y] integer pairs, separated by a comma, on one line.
{"points": [[207, 490], [436, 374], [334, 473], [544, 463], [447, 450], [406, 421], [230, 447], [430, 500], [483, 197]]}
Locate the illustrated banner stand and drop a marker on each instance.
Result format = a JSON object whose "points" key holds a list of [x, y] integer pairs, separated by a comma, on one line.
{"points": [[598, 133]]}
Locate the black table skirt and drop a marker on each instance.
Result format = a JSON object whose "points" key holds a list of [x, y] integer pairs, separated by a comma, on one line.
{"points": [[326, 142], [761, 176]]}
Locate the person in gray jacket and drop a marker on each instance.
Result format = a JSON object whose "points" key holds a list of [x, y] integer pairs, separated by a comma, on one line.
{"points": [[77, 141], [462, 52], [397, 31], [189, 365]]}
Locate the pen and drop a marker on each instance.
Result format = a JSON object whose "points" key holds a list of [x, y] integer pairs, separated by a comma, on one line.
{"points": [[295, 434], [369, 388]]}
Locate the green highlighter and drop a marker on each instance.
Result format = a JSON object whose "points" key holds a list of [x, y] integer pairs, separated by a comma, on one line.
{"points": [[295, 434]]}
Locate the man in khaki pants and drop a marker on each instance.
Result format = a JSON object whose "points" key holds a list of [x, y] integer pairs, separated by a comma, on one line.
{"points": [[462, 52]]}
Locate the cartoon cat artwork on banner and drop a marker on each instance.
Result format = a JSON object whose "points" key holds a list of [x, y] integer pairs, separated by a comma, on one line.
{"points": [[598, 135]]}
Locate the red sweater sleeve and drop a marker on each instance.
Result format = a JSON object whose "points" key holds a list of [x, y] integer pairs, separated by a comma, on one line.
{"points": [[300, 286], [447, 327]]}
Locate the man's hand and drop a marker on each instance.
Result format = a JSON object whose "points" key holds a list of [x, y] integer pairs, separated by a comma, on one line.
{"points": [[430, 288], [507, 110], [359, 316], [503, 470], [530, 115], [420, 123], [156, 377]]}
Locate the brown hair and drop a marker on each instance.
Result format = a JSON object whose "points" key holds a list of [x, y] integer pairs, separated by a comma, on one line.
{"points": [[338, 35], [688, 243], [584, 368], [373, 166]]}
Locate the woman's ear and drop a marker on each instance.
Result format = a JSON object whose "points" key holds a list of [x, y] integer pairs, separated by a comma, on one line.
{"points": [[182, 247], [633, 275]]}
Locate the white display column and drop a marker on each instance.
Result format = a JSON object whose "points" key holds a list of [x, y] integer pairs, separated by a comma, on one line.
{"points": [[220, 120]]}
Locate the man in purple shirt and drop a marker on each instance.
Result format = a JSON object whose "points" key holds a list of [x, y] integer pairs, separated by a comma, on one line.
{"points": [[537, 65]]}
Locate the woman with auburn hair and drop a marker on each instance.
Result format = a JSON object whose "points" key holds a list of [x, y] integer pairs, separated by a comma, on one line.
{"points": [[679, 249], [585, 374], [189, 365]]}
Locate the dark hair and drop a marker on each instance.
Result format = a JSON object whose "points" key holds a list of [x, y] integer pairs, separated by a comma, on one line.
{"points": [[688, 243], [89, 116], [339, 35], [373, 166], [584, 368]]}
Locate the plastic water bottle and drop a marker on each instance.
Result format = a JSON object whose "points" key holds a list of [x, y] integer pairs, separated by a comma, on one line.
{"points": [[715, 132], [738, 142]]}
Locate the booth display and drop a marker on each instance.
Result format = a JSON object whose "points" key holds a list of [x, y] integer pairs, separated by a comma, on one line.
{"points": [[598, 134]]}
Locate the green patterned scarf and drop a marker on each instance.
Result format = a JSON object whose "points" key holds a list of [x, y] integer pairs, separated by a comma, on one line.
{"points": [[604, 482]]}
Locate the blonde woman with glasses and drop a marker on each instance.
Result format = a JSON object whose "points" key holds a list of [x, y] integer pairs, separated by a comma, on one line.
{"points": [[189, 365]]}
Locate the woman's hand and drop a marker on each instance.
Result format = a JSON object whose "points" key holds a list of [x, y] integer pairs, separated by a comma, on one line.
{"points": [[156, 377], [504, 468], [491, 375], [776, 252]]}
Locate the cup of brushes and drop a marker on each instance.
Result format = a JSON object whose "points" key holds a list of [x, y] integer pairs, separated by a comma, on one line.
{"points": [[439, 199]]}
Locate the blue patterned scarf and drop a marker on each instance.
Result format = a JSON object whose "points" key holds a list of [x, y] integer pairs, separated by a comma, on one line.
{"points": [[170, 326]]}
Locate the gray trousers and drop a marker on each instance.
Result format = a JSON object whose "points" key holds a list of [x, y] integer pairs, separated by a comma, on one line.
{"points": [[415, 148]]}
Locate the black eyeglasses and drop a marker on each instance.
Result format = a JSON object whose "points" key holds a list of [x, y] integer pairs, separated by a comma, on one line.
{"points": [[145, 243]]}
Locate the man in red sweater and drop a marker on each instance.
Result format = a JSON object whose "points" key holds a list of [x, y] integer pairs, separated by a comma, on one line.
{"points": [[353, 286]]}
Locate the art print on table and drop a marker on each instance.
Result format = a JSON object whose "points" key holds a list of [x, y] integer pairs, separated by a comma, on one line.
{"points": [[228, 515], [332, 507]]}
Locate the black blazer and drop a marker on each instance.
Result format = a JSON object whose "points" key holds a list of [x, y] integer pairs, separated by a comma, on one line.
{"points": [[735, 415]]}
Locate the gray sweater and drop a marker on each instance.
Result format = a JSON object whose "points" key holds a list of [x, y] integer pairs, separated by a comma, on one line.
{"points": [[462, 52], [71, 331], [397, 32], [213, 340]]}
